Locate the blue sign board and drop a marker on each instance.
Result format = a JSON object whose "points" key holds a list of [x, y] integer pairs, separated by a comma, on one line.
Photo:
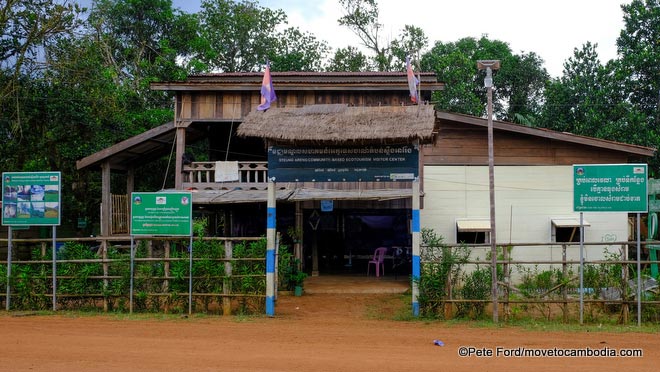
{"points": [[343, 164], [31, 198]]}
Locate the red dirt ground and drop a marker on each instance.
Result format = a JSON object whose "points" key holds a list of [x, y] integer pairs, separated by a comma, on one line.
{"points": [[315, 332]]}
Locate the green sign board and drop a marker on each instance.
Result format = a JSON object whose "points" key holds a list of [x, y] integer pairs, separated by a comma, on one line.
{"points": [[610, 188], [31, 198], [161, 213]]}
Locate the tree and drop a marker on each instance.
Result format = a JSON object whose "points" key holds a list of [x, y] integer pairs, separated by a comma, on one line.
{"points": [[411, 41], [639, 52], [455, 65], [141, 40], [521, 81], [241, 36], [518, 83], [27, 27], [589, 100], [348, 59], [361, 17], [294, 50], [238, 35]]}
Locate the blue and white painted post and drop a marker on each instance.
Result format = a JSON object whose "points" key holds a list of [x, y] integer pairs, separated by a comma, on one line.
{"points": [[416, 263], [270, 249]]}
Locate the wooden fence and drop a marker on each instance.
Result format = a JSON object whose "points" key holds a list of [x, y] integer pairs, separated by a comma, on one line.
{"points": [[163, 262], [562, 295]]}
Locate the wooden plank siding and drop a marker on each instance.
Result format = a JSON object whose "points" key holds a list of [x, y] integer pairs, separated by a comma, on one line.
{"points": [[211, 105], [465, 144]]}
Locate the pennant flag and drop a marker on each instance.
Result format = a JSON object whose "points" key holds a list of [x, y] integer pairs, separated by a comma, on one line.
{"points": [[412, 81], [267, 91]]}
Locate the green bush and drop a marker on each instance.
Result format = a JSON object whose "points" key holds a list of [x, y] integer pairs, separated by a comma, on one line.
{"points": [[476, 286], [440, 270]]}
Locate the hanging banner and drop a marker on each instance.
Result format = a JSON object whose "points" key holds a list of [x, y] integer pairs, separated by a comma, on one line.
{"points": [[161, 213], [31, 198]]}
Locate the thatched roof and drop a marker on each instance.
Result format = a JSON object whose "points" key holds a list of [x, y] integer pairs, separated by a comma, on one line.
{"points": [[341, 124]]}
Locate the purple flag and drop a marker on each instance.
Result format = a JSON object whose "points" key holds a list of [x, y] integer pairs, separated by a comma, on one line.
{"points": [[412, 81], [267, 91]]}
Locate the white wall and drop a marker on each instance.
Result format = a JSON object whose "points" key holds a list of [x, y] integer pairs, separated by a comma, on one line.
{"points": [[527, 198]]}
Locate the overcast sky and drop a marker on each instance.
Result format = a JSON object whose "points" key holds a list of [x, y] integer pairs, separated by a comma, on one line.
{"points": [[551, 29]]}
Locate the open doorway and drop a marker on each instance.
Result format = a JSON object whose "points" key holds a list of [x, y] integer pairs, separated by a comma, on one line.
{"points": [[343, 241]]}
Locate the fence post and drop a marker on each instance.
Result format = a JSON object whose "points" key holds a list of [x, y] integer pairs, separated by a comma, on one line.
{"points": [[449, 305], [167, 247], [106, 270], [564, 290], [625, 311], [507, 281], [226, 284]]}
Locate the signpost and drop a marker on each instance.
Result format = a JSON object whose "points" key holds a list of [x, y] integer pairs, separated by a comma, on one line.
{"points": [[164, 214], [31, 199], [610, 188]]}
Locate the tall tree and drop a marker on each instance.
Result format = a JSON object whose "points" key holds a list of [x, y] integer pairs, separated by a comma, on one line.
{"points": [[26, 28], [141, 39], [362, 17], [638, 46], [348, 59], [410, 42], [241, 35], [518, 83], [522, 79], [589, 99], [297, 51]]}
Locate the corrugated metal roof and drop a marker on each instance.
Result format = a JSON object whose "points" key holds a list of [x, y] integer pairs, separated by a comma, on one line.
{"points": [[291, 81], [236, 196]]}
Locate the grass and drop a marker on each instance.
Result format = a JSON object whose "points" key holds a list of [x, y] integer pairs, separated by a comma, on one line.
{"points": [[136, 316], [398, 308]]}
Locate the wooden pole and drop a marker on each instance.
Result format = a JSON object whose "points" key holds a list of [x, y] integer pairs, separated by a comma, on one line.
{"points": [[226, 284]]}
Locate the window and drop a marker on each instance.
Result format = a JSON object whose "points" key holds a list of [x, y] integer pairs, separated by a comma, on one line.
{"points": [[473, 231], [567, 230]]}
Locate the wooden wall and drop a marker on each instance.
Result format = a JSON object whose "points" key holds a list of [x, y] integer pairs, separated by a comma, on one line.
{"points": [[462, 144], [210, 105]]}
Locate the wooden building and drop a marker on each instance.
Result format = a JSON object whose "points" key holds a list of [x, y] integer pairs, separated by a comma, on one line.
{"points": [[532, 176]]}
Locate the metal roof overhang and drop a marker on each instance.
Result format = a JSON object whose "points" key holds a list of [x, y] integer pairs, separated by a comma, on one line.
{"points": [[208, 197], [569, 222], [473, 225], [140, 149]]}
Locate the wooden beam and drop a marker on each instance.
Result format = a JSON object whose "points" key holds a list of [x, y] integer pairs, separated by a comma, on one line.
{"points": [[106, 204], [180, 149]]}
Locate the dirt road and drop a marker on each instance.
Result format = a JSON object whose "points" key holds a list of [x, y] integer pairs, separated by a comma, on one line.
{"points": [[310, 333]]}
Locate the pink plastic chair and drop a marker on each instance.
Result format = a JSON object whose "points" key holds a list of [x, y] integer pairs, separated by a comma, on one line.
{"points": [[378, 260]]}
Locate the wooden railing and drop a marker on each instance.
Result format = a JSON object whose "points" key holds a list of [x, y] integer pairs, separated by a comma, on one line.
{"points": [[201, 176], [119, 214]]}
